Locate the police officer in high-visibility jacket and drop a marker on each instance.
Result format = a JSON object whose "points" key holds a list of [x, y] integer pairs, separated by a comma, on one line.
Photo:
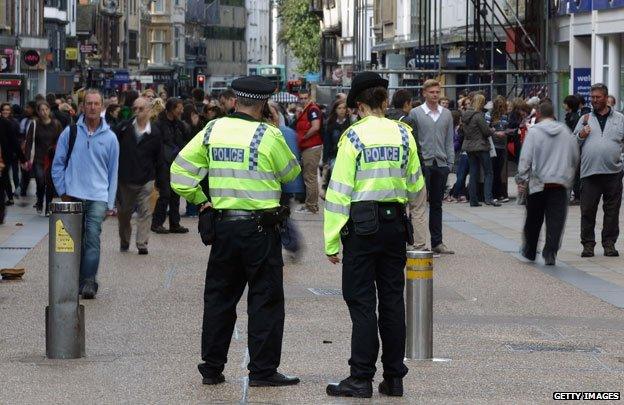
{"points": [[376, 173], [246, 161]]}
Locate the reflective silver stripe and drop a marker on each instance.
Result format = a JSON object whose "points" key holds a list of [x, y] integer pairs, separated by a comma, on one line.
{"points": [[413, 178], [202, 172], [412, 196], [377, 195], [340, 187], [381, 173], [241, 174], [183, 180], [251, 194], [291, 165], [337, 208], [186, 165]]}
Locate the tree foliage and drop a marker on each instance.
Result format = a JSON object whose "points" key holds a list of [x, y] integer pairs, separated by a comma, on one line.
{"points": [[301, 33]]}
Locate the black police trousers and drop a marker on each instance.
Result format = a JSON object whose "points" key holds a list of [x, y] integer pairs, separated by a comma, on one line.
{"points": [[242, 254], [371, 261], [168, 203]]}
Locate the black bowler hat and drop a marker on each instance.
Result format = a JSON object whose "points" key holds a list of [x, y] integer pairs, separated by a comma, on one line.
{"points": [[254, 87], [361, 82]]}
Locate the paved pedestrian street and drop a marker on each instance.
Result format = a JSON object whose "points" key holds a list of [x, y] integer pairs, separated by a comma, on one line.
{"points": [[504, 330]]}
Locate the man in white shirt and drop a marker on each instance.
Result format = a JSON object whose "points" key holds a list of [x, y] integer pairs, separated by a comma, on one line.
{"points": [[434, 126], [140, 159]]}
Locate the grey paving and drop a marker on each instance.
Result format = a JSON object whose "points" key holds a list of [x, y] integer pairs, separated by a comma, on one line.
{"points": [[23, 229], [143, 331], [606, 291]]}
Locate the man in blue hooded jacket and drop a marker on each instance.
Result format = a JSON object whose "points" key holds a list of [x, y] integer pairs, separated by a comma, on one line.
{"points": [[89, 175]]}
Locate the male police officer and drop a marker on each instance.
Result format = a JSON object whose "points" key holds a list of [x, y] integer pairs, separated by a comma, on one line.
{"points": [[246, 160], [376, 173]]}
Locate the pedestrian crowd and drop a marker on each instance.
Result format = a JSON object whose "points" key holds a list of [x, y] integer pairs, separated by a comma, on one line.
{"points": [[378, 162]]}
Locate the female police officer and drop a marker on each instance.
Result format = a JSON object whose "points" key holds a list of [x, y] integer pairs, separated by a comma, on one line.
{"points": [[376, 173]]}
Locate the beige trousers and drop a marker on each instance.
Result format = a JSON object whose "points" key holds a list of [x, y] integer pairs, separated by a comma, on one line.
{"points": [[129, 196], [310, 159], [418, 210]]}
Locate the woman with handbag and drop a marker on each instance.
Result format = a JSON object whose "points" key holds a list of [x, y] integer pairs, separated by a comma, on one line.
{"points": [[41, 137], [477, 134]]}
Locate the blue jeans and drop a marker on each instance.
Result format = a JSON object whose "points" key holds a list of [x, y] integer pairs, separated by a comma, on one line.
{"points": [[478, 160], [462, 172], [290, 236], [94, 214]]}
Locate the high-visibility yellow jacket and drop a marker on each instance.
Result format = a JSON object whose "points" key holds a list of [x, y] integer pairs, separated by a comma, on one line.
{"points": [[245, 160], [377, 161]]}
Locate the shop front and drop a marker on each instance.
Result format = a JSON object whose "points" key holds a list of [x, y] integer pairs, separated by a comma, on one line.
{"points": [[12, 89]]}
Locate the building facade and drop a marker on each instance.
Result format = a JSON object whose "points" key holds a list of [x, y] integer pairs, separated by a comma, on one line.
{"points": [[226, 54], [166, 35], [587, 39], [23, 50], [279, 54], [258, 32], [347, 39], [197, 19]]}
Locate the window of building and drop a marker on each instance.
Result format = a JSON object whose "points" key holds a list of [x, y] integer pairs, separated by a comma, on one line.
{"points": [[158, 46], [176, 42], [158, 6], [158, 54], [132, 45], [5, 12]]}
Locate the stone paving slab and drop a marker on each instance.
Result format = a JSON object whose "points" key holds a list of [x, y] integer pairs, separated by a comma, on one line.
{"points": [[507, 221], [143, 331]]}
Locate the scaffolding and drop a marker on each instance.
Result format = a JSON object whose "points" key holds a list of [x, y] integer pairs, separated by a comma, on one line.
{"points": [[503, 46]]}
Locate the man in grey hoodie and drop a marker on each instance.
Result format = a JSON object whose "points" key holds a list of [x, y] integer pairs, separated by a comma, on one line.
{"points": [[547, 166], [600, 135]]}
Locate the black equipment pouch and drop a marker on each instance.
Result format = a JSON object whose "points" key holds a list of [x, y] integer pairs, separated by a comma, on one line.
{"points": [[409, 229], [364, 215], [206, 226], [271, 218], [388, 213]]}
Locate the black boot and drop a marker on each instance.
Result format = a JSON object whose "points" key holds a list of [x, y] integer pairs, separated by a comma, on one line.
{"points": [[588, 250], [549, 258], [213, 380], [610, 251], [392, 387], [276, 380], [351, 387]]}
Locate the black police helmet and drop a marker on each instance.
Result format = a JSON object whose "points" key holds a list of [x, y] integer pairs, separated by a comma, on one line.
{"points": [[361, 82]]}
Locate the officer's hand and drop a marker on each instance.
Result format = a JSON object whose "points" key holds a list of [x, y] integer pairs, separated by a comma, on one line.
{"points": [[334, 259], [205, 206]]}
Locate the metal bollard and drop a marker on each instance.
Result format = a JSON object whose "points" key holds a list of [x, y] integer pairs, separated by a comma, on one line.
{"points": [[419, 302], [65, 329]]}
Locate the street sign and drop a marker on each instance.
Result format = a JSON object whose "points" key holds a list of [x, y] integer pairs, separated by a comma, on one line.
{"points": [[32, 57], [582, 83], [5, 63], [10, 82], [89, 48], [71, 53]]}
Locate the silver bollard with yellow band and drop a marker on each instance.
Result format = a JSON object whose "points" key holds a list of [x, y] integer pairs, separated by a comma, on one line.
{"points": [[419, 305], [65, 328]]}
